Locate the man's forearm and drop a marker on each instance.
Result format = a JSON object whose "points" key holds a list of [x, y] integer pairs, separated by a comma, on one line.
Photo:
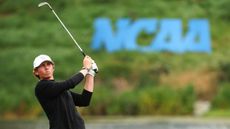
{"points": [[89, 83]]}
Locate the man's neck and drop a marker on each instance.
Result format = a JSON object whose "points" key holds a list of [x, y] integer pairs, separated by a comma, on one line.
{"points": [[48, 78]]}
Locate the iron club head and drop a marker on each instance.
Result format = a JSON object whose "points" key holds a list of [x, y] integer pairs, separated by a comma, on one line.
{"points": [[44, 3]]}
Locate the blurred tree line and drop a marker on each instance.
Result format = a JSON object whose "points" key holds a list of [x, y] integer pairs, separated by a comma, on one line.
{"points": [[129, 83]]}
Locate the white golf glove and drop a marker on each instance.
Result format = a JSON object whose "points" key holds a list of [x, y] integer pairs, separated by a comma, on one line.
{"points": [[93, 70], [94, 67]]}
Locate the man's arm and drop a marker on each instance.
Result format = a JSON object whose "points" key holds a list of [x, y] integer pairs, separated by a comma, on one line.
{"points": [[89, 83], [51, 89], [84, 98]]}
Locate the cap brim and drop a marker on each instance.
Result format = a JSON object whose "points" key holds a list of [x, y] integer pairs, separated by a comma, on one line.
{"points": [[43, 62]]}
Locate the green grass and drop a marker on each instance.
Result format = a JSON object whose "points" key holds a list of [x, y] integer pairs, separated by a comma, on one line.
{"points": [[218, 113]]}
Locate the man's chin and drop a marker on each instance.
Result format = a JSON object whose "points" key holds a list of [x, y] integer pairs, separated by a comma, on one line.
{"points": [[48, 78]]}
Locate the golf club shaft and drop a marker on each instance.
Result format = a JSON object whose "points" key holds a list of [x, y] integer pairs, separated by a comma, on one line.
{"points": [[68, 32], [45, 3]]}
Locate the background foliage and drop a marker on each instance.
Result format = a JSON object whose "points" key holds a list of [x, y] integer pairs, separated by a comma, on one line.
{"points": [[129, 83]]}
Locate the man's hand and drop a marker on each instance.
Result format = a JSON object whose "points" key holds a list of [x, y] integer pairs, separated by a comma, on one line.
{"points": [[94, 66], [90, 65], [94, 69], [87, 63]]}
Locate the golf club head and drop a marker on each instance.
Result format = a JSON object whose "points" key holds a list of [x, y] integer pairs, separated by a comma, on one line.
{"points": [[44, 3]]}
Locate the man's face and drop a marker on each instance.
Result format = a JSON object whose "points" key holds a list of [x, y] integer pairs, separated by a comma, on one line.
{"points": [[45, 71]]}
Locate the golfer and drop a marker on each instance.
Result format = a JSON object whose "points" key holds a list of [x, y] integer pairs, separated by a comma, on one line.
{"points": [[56, 99]]}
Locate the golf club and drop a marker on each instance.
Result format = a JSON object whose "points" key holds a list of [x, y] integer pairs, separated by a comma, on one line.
{"points": [[46, 3]]}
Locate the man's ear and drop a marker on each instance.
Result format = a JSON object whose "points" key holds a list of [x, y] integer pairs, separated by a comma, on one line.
{"points": [[35, 72]]}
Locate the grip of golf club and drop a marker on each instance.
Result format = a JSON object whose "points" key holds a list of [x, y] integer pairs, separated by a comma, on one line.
{"points": [[83, 53]]}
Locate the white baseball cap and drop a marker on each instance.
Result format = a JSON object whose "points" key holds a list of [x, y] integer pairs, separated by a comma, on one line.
{"points": [[40, 59]]}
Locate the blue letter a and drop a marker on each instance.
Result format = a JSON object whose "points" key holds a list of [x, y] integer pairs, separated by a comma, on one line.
{"points": [[198, 37]]}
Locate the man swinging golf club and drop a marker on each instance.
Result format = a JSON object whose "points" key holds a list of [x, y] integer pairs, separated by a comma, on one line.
{"points": [[56, 99]]}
